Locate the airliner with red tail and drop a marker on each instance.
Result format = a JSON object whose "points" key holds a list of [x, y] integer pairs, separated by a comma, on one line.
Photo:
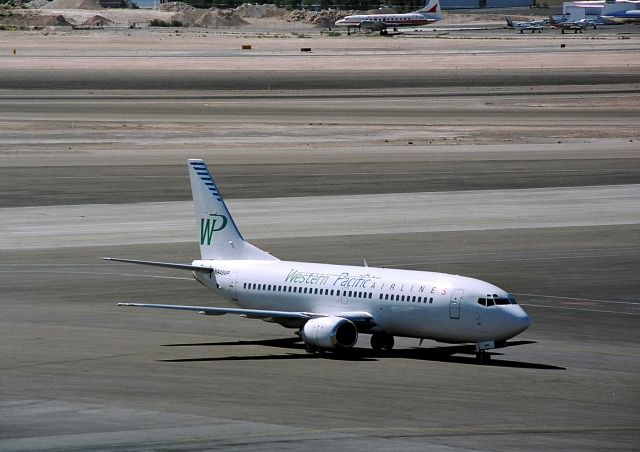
{"points": [[429, 14]]}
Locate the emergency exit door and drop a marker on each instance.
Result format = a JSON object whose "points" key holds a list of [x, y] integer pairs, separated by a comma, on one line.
{"points": [[454, 304]]}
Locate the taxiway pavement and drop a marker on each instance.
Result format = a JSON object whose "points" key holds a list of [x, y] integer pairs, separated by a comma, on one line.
{"points": [[540, 201]]}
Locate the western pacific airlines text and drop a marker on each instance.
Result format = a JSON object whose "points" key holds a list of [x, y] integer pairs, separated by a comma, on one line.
{"points": [[347, 280]]}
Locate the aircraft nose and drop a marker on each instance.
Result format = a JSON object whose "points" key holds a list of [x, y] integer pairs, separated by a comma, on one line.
{"points": [[520, 320]]}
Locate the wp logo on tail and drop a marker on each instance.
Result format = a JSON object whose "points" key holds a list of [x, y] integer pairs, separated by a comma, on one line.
{"points": [[210, 225]]}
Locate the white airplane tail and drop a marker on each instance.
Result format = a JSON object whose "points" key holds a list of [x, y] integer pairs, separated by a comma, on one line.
{"points": [[431, 10], [218, 234]]}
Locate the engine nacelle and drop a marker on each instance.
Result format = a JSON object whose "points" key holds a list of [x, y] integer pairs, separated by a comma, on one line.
{"points": [[330, 332]]}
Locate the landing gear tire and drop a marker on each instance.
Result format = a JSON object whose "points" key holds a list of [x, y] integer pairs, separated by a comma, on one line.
{"points": [[381, 342], [483, 357], [311, 348]]}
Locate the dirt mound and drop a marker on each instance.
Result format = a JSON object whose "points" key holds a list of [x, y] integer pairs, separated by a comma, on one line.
{"points": [[326, 17], [219, 18], [61, 20], [97, 21], [382, 10], [36, 4], [73, 4], [251, 11], [176, 7], [31, 19]]}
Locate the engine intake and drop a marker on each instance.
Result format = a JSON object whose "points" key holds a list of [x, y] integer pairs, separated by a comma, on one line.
{"points": [[330, 332]]}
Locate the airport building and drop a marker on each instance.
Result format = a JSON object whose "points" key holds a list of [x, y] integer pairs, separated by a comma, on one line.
{"points": [[575, 9]]}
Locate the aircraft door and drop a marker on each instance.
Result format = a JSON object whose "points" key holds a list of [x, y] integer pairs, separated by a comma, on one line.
{"points": [[342, 298], [454, 303]]}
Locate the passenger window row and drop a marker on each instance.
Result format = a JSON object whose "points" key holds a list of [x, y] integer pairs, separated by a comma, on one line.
{"points": [[307, 290], [408, 298], [336, 292]]}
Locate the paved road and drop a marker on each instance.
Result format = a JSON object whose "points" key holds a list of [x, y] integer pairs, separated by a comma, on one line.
{"points": [[284, 80]]}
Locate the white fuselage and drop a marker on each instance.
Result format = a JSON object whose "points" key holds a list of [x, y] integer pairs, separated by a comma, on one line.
{"points": [[526, 26], [405, 303], [330, 304], [388, 20]]}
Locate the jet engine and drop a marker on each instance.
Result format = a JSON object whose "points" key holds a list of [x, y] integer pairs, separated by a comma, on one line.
{"points": [[330, 332]]}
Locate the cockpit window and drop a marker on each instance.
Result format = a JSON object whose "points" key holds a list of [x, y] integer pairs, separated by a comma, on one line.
{"points": [[495, 300], [485, 301]]}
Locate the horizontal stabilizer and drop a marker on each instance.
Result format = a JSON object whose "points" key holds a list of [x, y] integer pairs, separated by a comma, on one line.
{"points": [[190, 267]]}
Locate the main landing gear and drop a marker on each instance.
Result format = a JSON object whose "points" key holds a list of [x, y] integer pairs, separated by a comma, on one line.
{"points": [[311, 349], [482, 356], [381, 341]]}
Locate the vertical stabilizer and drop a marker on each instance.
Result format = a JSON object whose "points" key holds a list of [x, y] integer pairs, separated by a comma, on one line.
{"points": [[218, 234], [431, 10]]}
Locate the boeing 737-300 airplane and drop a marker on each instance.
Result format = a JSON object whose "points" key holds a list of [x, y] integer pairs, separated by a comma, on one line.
{"points": [[430, 13], [330, 304]]}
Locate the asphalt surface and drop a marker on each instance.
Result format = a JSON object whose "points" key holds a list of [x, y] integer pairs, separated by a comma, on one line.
{"points": [[287, 80], [543, 205]]}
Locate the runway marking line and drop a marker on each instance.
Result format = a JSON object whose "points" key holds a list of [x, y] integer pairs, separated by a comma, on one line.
{"points": [[68, 361], [580, 309], [389, 432], [513, 259], [575, 298]]}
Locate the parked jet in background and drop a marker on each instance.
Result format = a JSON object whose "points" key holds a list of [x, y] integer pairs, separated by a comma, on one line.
{"points": [[622, 17], [535, 25], [430, 13], [330, 304]]}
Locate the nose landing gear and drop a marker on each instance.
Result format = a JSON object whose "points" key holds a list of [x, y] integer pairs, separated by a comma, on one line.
{"points": [[482, 356]]}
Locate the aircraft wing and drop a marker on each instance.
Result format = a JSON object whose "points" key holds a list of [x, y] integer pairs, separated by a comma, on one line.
{"points": [[373, 25], [356, 317]]}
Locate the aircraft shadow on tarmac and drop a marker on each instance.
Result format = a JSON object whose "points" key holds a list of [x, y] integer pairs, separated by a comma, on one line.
{"points": [[461, 354]]}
